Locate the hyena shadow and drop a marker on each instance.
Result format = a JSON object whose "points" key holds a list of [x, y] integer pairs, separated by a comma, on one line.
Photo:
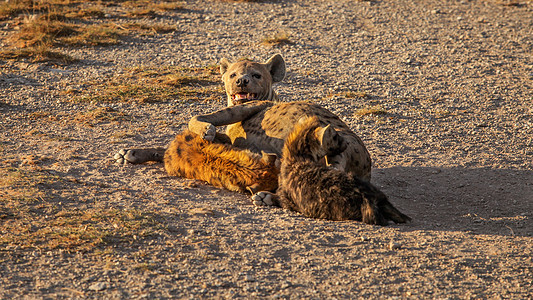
{"points": [[481, 201]]}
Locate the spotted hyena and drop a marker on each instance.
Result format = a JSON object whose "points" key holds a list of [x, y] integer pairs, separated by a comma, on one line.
{"points": [[257, 121], [316, 190]]}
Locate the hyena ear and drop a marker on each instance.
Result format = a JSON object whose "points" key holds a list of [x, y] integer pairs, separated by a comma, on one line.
{"points": [[224, 64], [331, 141], [276, 66], [325, 135], [269, 158]]}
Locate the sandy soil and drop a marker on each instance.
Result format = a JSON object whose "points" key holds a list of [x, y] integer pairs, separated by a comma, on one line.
{"points": [[454, 151]]}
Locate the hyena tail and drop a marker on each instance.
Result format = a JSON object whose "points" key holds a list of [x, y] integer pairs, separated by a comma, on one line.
{"points": [[370, 213]]}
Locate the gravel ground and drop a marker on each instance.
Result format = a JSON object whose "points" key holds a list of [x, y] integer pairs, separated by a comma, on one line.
{"points": [[454, 151]]}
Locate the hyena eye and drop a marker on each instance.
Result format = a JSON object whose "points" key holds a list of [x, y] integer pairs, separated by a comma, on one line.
{"points": [[232, 75], [258, 76]]}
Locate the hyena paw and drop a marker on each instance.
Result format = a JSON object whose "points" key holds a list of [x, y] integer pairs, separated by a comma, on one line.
{"points": [[264, 199], [209, 133], [121, 156], [137, 156]]}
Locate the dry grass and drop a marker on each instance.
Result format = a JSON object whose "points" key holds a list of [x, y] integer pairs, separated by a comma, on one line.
{"points": [[38, 53], [148, 85], [41, 31], [146, 29], [151, 5], [370, 111], [12, 8], [509, 2], [94, 35], [141, 8], [100, 115], [360, 95], [34, 219], [280, 38], [39, 26]]}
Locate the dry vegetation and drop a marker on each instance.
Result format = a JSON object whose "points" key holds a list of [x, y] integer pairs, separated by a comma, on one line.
{"points": [[34, 209], [370, 111], [35, 217], [509, 2], [36, 28], [280, 38], [36, 213], [95, 116], [148, 85]]}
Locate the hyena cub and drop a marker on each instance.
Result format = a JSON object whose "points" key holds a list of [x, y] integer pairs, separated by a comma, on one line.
{"points": [[221, 165], [310, 187]]}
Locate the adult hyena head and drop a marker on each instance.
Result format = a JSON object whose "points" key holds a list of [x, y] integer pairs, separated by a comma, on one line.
{"points": [[246, 80]]}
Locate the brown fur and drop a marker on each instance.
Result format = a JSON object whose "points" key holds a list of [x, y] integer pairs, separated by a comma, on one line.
{"points": [[259, 123], [263, 125], [318, 191], [221, 165]]}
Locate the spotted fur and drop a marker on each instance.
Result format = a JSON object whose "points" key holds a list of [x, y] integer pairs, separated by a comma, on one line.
{"points": [[308, 186], [246, 80], [257, 122], [221, 165], [263, 124]]}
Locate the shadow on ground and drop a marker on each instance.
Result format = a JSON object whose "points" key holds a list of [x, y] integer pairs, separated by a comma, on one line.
{"points": [[481, 201]]}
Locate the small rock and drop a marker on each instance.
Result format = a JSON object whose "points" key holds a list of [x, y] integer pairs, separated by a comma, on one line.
{"points": [[98, 286], [394, 246]]}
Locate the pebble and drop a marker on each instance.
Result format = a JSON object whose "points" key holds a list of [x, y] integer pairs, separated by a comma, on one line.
{"points": [[98, 286], [394, 246]]}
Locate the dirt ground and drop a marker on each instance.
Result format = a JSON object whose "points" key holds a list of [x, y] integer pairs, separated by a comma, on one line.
{"points": [[451, 140]]}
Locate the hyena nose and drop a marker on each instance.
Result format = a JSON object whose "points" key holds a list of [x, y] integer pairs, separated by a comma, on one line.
{"points": [[242, 82]]}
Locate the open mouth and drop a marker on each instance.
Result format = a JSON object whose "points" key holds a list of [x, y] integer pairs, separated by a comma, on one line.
{"points": [[239, 98]]}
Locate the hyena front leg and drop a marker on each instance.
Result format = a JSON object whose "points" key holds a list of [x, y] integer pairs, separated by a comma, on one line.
{"points": [[139, 156], [204, 125]]}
